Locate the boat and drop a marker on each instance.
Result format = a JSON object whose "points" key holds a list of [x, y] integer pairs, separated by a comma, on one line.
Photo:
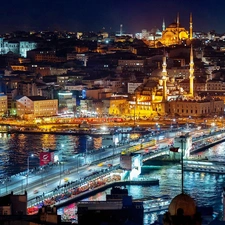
{"points": [[155, 204]]}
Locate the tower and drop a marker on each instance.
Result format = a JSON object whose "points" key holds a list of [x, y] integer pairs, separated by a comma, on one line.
{"points": [[178, 20], [164, 77], [163, 25], [191, 27], [191, 73], [178, 24], [121, 29]]}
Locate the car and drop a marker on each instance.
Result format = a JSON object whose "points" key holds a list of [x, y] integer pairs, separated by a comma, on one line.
{"points": [[35, 191]]}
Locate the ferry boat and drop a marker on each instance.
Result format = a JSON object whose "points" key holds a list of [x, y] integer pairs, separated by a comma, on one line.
{"points": [[155, 204]]}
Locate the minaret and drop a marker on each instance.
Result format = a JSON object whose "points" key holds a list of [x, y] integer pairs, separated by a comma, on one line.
{"points": [[163, 25], [178, 24], [121, 29], [178, 20], [191, 73], [164, 77], [191, 27]]}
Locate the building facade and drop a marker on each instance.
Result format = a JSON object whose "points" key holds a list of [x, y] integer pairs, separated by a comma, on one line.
{"points": [[195, 107], [17, 47], [36, 106], [3, 104]]}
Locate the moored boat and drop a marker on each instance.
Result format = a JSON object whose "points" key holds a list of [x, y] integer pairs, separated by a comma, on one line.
{"points": [[155, 204]]}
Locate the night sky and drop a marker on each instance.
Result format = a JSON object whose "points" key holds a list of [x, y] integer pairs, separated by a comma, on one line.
{"points": [[93, 15]]}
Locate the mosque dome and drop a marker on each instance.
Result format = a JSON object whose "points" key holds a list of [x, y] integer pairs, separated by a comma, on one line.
{"points": [[174, 25], [155, 31], [184, 203]]}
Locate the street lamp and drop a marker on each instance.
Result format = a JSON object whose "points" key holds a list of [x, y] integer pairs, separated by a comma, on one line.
{"points": [[86, 148], [28, 167], [60, 164], [77, 160], [114, 143], [172, 122], [62, 145]]}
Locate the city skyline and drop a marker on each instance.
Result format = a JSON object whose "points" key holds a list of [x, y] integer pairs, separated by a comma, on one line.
{"points": [[90, 15]]}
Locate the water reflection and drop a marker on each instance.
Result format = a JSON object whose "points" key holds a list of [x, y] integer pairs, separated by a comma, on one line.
{"points": [[205, 188], [15, 148]]}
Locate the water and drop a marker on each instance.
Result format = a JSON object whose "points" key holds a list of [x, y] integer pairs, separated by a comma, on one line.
{"points": [[205, 188], [15, 149]]}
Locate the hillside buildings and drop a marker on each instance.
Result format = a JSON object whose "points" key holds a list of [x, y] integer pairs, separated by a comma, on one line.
{"points": [[109, 74]]}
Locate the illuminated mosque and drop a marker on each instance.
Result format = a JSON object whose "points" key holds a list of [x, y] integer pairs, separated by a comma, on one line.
{"points": [[151, 96], [161, 95], [175, 33]]}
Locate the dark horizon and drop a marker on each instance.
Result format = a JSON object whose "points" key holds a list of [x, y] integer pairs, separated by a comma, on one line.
{"points": [[90, 15]]}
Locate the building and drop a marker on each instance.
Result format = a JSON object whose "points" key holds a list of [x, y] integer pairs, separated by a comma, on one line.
{"points": [[17, 47], [195, 107], [131, 87], [162, 94], [3, 104], [132, 64], [28, 89], [131, 162], [13, 204], [13, 210], [36, 106], [67, 102], [118, 106], [75, 56], [44, 55], [175, 33], [119, 208]]}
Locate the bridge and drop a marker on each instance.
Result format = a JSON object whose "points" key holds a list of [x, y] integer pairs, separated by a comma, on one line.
{"points": [[215, 138], [200, 143]]}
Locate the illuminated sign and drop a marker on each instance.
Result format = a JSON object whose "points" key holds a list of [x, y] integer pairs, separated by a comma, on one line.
{"points": [[46, 157]]}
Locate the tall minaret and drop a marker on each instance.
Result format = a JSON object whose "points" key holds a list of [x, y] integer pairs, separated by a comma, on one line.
{"points": [[178, 24], [164, 77], [121, 29], [178, 19], [191, 27], [163, 25], [191, 77]]}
